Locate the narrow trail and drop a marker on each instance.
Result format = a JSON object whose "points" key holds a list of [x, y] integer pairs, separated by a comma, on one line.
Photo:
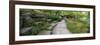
{"points": [[61, 28]]}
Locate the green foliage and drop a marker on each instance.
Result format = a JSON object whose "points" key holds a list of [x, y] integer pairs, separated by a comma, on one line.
{"points": [[39, 25], [77, 26], [77, 21]]}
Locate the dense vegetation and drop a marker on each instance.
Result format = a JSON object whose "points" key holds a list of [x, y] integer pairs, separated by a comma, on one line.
{"points": [[39, 20]]}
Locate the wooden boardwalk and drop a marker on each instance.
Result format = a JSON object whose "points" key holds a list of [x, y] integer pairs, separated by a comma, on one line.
{"points": [[61, 28]]}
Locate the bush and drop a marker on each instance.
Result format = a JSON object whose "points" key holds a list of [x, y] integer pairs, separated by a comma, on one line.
{"points": [[77, 26]]}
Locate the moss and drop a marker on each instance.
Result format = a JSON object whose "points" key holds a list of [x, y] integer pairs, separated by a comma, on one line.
{"points": [[76, 26]]}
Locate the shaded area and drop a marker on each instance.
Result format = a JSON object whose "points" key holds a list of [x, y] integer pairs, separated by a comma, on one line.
{"points": [[47, 22]]}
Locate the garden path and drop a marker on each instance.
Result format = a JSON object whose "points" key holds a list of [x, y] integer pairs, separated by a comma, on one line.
{"points": [[61, 28]]}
